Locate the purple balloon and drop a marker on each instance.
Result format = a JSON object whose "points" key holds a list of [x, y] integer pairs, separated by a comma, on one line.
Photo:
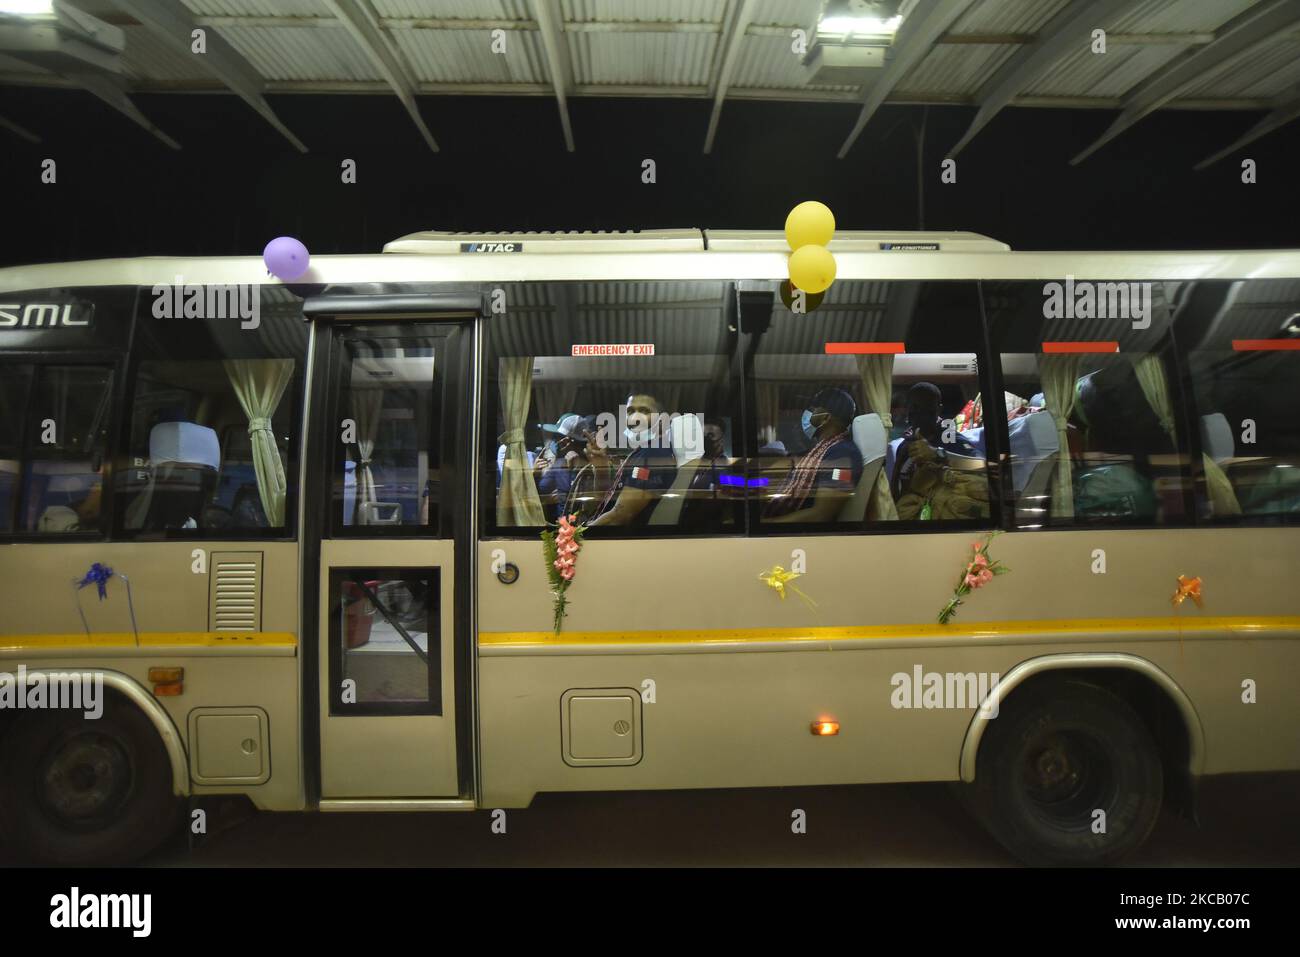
{"points": [[285, 257]]}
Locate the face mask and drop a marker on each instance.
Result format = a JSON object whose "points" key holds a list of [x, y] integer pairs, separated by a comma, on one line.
{"points": [[809, 429], [637, 439]]}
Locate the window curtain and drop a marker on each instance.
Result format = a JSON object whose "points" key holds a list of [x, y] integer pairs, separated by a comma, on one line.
{"points": [[1058, 374], [877, 384], [517, 499], [259, 385], [367, 405], [1151, 377]]}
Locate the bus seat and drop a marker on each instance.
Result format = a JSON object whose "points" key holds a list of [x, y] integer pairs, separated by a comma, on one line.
{"points": [[1037, 400], [688, 451], [183, 459], [871, 439], [1034, 445], [55, 486], [891, 454], [1216, 438]]}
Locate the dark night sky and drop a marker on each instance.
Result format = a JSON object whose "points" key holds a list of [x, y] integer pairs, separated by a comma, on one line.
{"points": [[238, 183]]}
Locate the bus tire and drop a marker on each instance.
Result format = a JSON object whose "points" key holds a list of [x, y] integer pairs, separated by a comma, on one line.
{"points": [[1059, 752], [76, 791]]}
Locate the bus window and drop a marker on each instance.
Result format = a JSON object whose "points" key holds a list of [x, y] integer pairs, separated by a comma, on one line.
{"points": [[15, 383], [1093, 415], [867, 405], [386, 474], [615, 406], [67, 434], [1242, 350], [212, 419]]}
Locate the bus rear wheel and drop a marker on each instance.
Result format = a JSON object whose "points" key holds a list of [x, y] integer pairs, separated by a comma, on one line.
{"points": [[76, 791], [1068, 774]]}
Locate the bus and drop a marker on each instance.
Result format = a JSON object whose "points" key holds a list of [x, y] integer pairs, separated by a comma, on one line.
{"points": [[485, 516]]}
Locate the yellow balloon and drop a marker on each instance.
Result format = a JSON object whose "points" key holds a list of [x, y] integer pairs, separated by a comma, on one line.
{"points": [[812, 268], [809, 224]]}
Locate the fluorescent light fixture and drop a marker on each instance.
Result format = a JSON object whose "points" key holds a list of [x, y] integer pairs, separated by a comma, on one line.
{"points": [[860, 26], [27, 8]]}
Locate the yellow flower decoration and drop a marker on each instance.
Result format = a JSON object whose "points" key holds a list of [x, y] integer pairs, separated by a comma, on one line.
{"points": [[778, 578]]}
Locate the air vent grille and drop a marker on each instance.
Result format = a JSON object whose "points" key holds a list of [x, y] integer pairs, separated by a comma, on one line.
{"points": [[235, 600]]}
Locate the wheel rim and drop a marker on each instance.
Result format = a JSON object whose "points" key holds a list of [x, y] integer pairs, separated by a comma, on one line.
{"points": [[84, 780], [1066, 776]]}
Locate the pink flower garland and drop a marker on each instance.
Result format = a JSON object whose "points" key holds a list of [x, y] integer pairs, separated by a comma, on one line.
{"points": [[560, 548], [979, 571]]}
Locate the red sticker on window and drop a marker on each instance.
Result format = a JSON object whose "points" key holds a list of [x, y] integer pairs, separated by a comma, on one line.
{"points": [[614, 349]]}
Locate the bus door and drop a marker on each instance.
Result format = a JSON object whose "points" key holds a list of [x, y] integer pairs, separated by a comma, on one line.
{"points": [[391, 587]]}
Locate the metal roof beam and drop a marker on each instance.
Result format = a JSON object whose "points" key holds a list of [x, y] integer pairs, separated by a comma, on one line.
{"points": [[729, 48], [111, 93], [1288, 109], [550, 21], [171, 24], [928, 21], [19, 131], [1068, 31], [363, 24], [1233, 42]]}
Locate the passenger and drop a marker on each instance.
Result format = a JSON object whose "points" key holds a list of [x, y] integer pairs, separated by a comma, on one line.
{"points": [[574, 485], [923, 485], [710, 503], [645, 474], [820, 482]]}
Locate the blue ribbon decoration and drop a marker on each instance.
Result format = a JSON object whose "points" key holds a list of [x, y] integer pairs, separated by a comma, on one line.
{"points": [[97, 576]]}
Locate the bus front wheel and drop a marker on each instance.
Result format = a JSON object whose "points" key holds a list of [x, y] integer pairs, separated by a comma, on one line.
{"points": [[81, 791], [1068, 774]]}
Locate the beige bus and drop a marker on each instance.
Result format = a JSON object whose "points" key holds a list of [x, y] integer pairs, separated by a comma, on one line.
{"points": [[285, 540]]}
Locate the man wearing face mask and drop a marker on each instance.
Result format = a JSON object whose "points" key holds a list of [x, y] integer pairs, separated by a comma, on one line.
{"points": [[824, 477], [645, 474]]}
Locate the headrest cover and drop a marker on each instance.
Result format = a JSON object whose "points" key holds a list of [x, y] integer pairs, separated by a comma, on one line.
{"points": [[184, 443], [1216, 437], [869, 436], [687, 433]]}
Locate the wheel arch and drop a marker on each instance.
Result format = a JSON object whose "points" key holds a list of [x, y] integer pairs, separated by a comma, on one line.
{"points": [[136, 696], [1087, 662]]}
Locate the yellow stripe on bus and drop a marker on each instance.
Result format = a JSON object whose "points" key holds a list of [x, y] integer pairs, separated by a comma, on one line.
{"points": [[150, 639], [1243, 625]]}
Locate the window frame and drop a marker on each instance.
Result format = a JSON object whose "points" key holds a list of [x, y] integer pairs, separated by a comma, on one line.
{"points": [[294, 394], [490, 405], [110, 360], [984, 373]]}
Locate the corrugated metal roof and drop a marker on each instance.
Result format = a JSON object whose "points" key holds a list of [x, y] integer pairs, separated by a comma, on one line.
{"points": [[672, 11], [301, 53], [259, 8], [147, 57], [454, 9], [1112, 73], [800, 13], [1268, 71], [1008, 16], [768, 62], [464, 56], [1177, 16], [670, 59], [956, 68]]}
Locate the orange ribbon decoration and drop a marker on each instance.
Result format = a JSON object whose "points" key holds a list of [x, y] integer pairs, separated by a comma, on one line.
{"points": [[1187, 588]]}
